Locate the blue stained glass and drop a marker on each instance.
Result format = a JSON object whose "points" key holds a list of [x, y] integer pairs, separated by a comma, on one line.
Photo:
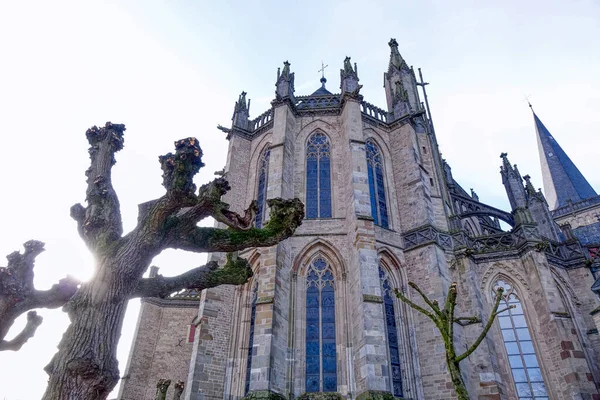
{"points": [[394, 357], [376, 185], [318, 177], [381, 202], [312, 383], [374, 213], [312, 190], [251, 338], [320, 265], [329, 383], [519, 347], [262, 186], [321, 356], [392, 333]]}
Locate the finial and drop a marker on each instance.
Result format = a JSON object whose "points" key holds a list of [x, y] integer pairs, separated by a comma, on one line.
{"points": [[528, 102], [393, 43], [322, 70], [503, 155]]}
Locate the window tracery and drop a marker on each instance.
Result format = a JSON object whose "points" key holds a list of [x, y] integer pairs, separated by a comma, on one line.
{"points": [[522, 357], [376, 184], [391, 332], [254, 297], [321, 363], [261, 195], [318, 177]]}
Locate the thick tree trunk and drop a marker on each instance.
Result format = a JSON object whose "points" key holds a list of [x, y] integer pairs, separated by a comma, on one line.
{"points": [[86, 367], [457, 380]]}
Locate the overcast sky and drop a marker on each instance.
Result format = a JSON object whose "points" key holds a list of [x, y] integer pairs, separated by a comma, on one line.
{"points": [[173, 69]]}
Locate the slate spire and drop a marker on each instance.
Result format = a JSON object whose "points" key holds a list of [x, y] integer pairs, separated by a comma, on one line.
{"points": [[562, 179]]}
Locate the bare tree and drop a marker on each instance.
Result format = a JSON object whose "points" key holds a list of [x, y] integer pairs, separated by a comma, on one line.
{"points": [[445, 319], [85, 366]]}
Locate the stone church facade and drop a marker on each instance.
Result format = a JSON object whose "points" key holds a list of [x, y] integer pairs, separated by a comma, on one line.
{"points": [[382, 209]]}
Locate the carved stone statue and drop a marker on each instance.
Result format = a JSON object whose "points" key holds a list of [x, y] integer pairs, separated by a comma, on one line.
{"points": [[179, 386], [401, 93], [161, 389], [347, 66], [286, 69]]}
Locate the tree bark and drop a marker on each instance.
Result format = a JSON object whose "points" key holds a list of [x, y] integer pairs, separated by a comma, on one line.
{"points": [[444, 320], [86, 366], [457, 380]]}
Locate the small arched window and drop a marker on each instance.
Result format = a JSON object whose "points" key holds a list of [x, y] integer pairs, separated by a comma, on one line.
{"points": [[318, 177], [253, 298], [376, 184], [321, 363], [261, 195], [522, 358], [391, 332]]}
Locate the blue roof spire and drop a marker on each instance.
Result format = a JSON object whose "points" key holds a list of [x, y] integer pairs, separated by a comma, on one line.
{"points": [[562, 179]]}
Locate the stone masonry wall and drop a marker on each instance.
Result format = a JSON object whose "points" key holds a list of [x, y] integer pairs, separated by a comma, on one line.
{"points": [[161, 349]]}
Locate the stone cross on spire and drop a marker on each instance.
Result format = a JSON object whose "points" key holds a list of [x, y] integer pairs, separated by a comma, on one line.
{"points": [[322, 71]]}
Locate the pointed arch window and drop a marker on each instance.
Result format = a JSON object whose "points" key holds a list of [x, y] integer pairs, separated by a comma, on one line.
{"points": [[321, 363], [522, 357], [318, 177], [376, 184], [261, 195], [391, 333], [254, 296]]}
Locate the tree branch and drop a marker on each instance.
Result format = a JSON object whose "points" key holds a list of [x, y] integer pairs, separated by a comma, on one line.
{"points": [[420, 309], [449, 308], [33, 321], [286, 216], [235, 271], [209, 204], [18, 295], [486, 328], [433, 304], [465, 321], [179, 168], [100, 222]]}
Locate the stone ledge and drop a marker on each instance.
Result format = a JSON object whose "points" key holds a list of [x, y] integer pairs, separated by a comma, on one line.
{"points": [[376, 395], [371, 298], [320, 396], [264, 395], [265, 300]]}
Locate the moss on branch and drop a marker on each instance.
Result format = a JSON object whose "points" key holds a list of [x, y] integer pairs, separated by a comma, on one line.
{"points": [[445, 320]]}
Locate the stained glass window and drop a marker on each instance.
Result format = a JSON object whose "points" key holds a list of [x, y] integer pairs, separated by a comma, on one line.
{"points": [[321, 362], [254, 296], [318, 177], [522, 358], [263, 168], [392, 333], [376, 184]]}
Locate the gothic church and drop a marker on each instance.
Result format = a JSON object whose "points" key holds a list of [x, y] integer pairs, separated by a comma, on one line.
{"points": [[383, 209]]}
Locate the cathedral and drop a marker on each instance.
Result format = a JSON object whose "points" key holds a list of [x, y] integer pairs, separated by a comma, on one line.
{"points": [[319, 318]]}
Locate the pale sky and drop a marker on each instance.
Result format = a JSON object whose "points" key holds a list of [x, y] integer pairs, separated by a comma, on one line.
{"points": [[173, 69]]}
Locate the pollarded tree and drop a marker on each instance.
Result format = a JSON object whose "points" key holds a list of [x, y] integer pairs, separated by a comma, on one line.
{"points": [[85, 366], [444, 319]]}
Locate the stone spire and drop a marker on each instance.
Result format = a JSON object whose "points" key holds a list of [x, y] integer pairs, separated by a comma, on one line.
{"points": [[285, 83], [241, 112], [400, 85], [349, 77], [539, 211], [513, 183], [562, 179], [396, 60]]}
